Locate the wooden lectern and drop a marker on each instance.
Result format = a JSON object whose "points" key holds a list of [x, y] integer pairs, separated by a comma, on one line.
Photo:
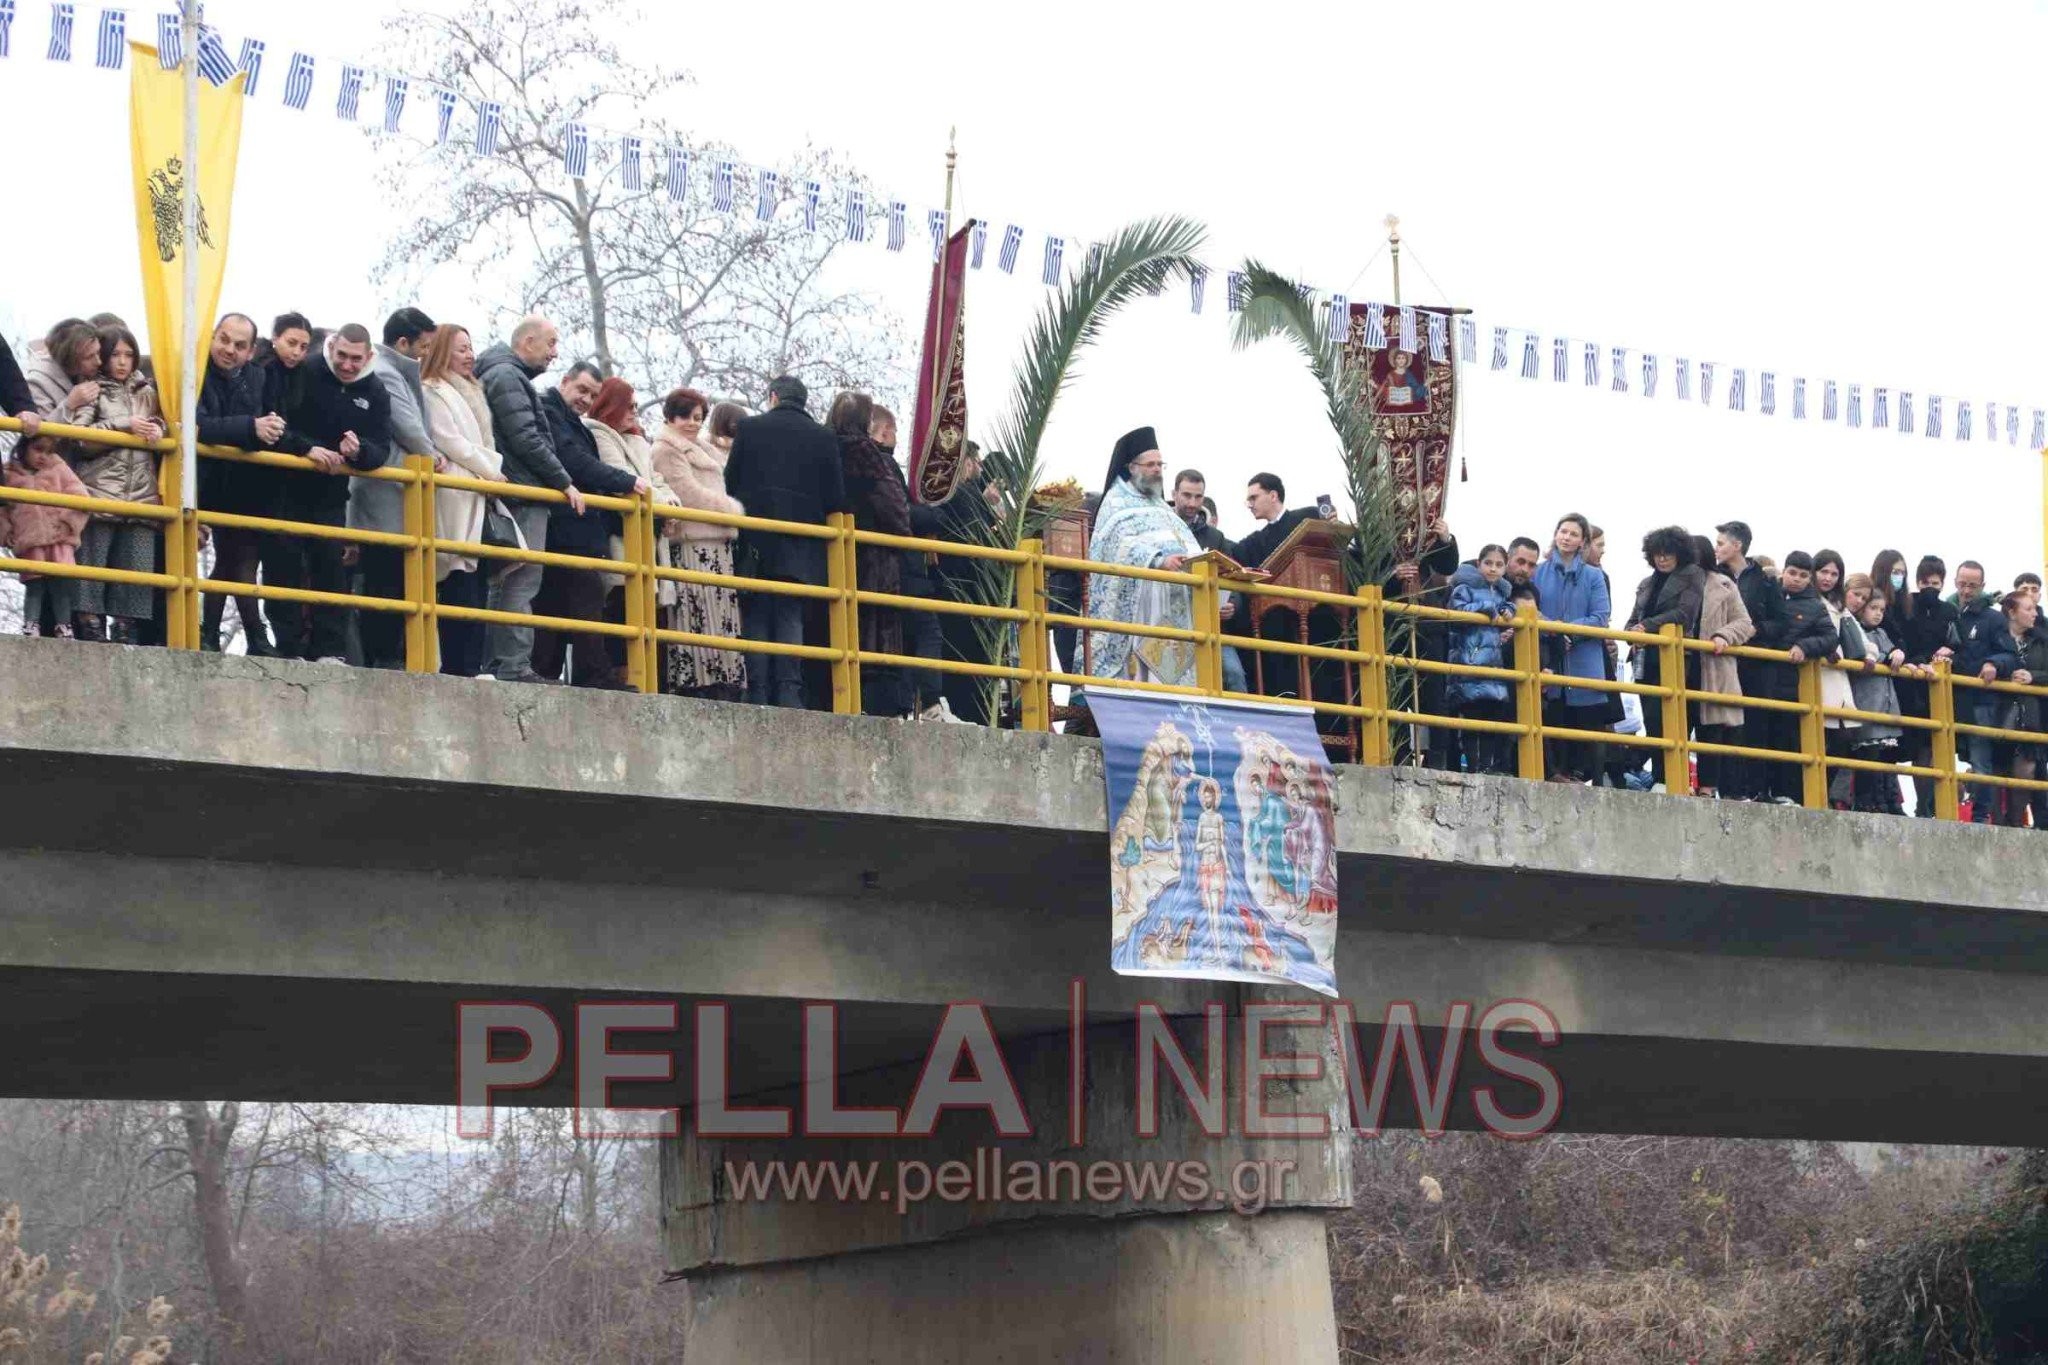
{"points": [[1312, 559]]}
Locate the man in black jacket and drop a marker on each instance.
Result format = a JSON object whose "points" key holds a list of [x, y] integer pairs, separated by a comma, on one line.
{"points": [[1266, 497], [14, 394], [578, 593], [1981, 646], [784, 466], [1808, 632], [339, 411], [1765, 602], [235, 411]]}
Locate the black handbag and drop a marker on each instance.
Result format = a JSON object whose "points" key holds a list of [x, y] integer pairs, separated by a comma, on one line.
{"points": [[500, 528]]}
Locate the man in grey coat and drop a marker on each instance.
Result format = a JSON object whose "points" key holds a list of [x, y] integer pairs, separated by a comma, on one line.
{"points": [[506, 373], [375, 505]]}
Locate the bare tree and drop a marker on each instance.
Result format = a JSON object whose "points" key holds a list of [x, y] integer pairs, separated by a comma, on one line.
{"points": [[666, 293]]}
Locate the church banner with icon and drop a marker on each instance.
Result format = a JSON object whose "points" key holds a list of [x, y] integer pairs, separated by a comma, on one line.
{"points": [[1223, 855], [1413, 394], [938, 433]]}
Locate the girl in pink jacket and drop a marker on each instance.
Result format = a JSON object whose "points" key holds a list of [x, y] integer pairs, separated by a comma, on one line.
{"points": [[45, 534]]}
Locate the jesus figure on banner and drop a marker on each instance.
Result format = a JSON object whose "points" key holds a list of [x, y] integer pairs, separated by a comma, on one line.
{"points": [[1136, 526]]}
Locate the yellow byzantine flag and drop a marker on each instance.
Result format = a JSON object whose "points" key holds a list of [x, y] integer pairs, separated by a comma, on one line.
{"points": [[156, 115]]}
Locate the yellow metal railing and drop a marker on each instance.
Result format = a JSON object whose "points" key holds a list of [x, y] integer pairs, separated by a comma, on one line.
{"points": [[1367, 707]]}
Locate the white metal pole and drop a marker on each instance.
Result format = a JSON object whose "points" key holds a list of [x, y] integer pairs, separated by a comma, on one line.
{"points": [[188, 332]]}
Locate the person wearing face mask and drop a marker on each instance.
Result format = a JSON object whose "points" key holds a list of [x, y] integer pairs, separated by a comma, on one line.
{"points": [[1136, 526]]}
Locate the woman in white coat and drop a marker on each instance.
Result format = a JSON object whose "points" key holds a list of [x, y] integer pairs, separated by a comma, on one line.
{"points": [[459, 421]]}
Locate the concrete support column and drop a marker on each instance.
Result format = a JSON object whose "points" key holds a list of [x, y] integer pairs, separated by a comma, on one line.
{"points": [[1040, 1248]]}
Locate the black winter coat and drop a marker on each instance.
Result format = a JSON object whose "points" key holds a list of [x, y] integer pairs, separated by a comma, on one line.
{"points": [[519, 420], [785, 466], [1255, 549], [1765, 602], [1671, 599], [14, 394], [229, 404], [576, 450], [320, 410], [1979, 637], [1808, 626]]}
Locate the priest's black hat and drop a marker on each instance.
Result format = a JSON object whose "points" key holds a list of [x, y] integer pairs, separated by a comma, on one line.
{"points": [[1129, 447]]}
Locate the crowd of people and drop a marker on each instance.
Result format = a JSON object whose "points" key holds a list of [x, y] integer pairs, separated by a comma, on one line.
{"points": [[350, 404]]}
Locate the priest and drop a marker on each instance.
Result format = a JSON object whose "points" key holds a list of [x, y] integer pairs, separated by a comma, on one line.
{"points": [[1136, 526]]}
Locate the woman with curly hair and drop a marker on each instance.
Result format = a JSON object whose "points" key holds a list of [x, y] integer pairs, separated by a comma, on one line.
{"points": [[1670, 595]]}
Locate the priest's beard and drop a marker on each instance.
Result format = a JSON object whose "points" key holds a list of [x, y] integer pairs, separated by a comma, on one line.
{"points": [[1151, 485]]}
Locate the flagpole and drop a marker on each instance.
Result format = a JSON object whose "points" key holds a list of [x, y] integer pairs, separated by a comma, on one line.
{"points": [[188, 328], [940, 352], [1394, 246]]}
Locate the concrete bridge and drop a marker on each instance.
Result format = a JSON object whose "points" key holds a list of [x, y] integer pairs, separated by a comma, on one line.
{"points": [[222, 876]]}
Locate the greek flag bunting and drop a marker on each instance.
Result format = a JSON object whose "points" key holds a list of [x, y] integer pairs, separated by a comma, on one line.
{"points": [[813, 191], [1375, 326], [1468, 341], [2012, 425], [1767, 400], [629, 163], [721, 189], [1558, 364], [1684, 371], [1799, 400], [1649, 376], [896, 224], [60, 32], [252, 65], [1233, 291], [1905, 412], [1830, 408], [1855, 405], [678, 175], [170, 40], [977, 242], [576, 151], [394, 102], [1013, 241], [1439, 341], [856, 216], [1198, 280], [113, 47], [298, 81], [1055, 248], [1738, 389], [351, 93], [488, 118], [935, 224], [1592, 365], [444, 116], [214, 64], [1880, 417], [1529, 363], [6, 26], [1706, 381], [1991, 421], [1962, 421], [1340, 319], [1617, 366], [2040, 429], [1500, 348], [1933, 416], [767, 195], [1408, 328]]}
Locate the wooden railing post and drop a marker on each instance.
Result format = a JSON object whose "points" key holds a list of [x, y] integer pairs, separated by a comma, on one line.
{"points": [[1208, 622], [1813, 747], [1376, 748], [1035, 693], [1941, 709], [419, 564], [1671, 667], [843, 615], [1528, 693]]}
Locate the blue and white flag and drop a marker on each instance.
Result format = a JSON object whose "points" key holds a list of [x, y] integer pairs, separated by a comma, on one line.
{"points": [[1738, 389], [1592, 365], [1962, 421], [2012, 424], [2040, 428], [60, 31], [1706, 381], [1799, 400], [1684, 371], [394, 101], [489, 116], [1767, 400], [1468, 341], [1500, 348], [856, 216], [1905, 412], [767, 195], [897, 228], [1055, 248], [1408, 328], [1529, 363], [1991, 421], [1558, 365], [1198, 281], [1649, 375], [214, 63], [1830, 406], [576, 151], [813, 192], [1233, 291], [721, 187], [1617, 368], [298, 81], [6, 27], [1439, 339], [251, 65], [1340, 319], [1013, 242], [935, 224], [351, 93], [1375, 326], [629, 163], [1855, 405], [677, 179], [444, 116], [170, 40], [1933, 416], [1880, 408], [977, 242], [113, 47]]}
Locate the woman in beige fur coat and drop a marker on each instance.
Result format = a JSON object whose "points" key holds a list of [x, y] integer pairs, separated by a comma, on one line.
{"points": [[695, 472]]}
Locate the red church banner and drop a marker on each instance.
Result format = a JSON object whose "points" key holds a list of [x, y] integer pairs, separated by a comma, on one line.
{"points": [[1414, 403], [938, 436]]}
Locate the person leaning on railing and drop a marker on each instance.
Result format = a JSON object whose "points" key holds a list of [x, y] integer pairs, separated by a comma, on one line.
{"points": [[586, 531], [1982, 648], [1725, 624], [128, 404], [614, 424], [1669, 595], [459, 423], [234, 411], [15, 397], [379, 505], [2018, 712], [691, 461]]}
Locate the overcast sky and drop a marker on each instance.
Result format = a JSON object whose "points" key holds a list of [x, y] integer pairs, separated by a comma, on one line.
{"points": [[1835, 190]]}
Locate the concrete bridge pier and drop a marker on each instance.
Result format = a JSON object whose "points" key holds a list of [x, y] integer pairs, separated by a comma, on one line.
{"points": [[1120, 1274]]}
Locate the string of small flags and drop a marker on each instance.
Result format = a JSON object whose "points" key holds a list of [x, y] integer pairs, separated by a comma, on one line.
{"points": [[860, 216]]}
